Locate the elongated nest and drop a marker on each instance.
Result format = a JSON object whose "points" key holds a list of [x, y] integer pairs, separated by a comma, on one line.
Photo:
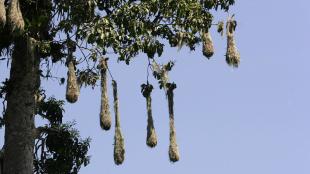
{"points": [[174, 155], [2, 14], [232, 53], [151, 138], [119, 147], [208, 48], [73, 91], [15, 18], [105, 116]]}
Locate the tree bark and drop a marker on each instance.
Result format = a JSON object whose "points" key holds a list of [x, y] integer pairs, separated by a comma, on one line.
{"points": [[21, 101]]}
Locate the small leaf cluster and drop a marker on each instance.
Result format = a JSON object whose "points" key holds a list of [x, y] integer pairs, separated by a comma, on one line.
{"points": [[161, 75], [87, 77], [4, 89], [52, 110], [146, 89]]}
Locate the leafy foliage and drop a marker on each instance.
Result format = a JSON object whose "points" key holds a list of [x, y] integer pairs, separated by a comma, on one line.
{"points": [[59, 148], [52, 110], [4, 88], [121, 27], [61, 151]]}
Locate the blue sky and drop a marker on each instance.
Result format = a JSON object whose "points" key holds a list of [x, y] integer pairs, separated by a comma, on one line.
{"points": [[254, 119]]}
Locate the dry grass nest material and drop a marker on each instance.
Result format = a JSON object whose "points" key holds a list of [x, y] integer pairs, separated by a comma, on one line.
{"points": [[15, 18], [232, 54], [119, 146], [2, 14], [174, 155], [151, 139]]}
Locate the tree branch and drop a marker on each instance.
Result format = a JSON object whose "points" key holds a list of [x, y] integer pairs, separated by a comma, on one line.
{"points": [[39, 130]]}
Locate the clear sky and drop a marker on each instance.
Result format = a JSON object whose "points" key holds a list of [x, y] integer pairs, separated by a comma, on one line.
{"points": [[251, 120]]}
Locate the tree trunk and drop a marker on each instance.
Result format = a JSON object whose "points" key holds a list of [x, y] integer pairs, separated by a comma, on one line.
{"points": [[19, 117]]}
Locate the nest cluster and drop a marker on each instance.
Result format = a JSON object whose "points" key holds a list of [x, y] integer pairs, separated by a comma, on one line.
{"points": [[232, 54], [161, 74], [146, 89], [105, 116]]}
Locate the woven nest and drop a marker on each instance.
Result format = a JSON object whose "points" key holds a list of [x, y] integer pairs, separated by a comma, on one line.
{"points": [[72, 93], [174, 155], [119, 146], [2, 14], [151, 138], [232, 54], [105, 116], [15, 18], [208, 48]]}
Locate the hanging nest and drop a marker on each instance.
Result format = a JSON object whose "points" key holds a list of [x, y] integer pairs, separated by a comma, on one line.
{"points": [[119, 146], [73, 90], [15, 18], [208, 48], [173, 147], [232, 54], [151, 138], [105, 116], [2, 14]]}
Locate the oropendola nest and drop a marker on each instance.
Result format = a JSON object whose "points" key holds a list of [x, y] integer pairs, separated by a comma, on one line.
{"points": [[208, 48], [73, 91], [119, 146], [2, 14], [232, 54], [105, 116], [174, 155], [173, 147], [151, 138], [15, 18]]}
